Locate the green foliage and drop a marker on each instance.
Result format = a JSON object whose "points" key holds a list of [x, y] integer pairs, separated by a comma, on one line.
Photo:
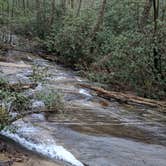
{"points": [[39, 74], [122, 50], [4, 118], [20, 102], [71, 40], [52, 100], [3, 83], [127, 54]]}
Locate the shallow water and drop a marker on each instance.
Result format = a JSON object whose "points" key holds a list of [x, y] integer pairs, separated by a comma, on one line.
{"points": [[93, 130]]}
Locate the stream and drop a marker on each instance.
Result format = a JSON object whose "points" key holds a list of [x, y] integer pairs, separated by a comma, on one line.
{"points": [[93, 131]]}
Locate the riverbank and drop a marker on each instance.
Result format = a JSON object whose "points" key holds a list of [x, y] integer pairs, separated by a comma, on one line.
{"points": [[91, 130], [12, 154]]}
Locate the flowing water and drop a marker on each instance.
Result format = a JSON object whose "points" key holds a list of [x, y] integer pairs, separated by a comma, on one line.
{"points": [[92, 131]]}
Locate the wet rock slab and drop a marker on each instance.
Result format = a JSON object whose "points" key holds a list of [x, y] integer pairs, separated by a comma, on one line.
{"points": [[95, 131]]}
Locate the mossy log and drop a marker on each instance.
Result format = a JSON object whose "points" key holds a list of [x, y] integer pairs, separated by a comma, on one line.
{"points": [[126, 98]]}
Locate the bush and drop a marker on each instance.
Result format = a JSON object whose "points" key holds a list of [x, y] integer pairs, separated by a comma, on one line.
{"points": [[39, 74], [71, 40], [4, 118], [52, 100], [127, 55], [3, 83], [20, 102]]}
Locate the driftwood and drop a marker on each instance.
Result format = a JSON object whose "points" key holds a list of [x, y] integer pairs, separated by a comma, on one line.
{"points": [[126, 98]]}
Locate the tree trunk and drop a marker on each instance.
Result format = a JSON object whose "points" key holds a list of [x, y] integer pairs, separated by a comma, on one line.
{"points": [[99, 20], [72, 4], [156, 53], [52, 16], [38, 15], [126, 98], [79, 8]]}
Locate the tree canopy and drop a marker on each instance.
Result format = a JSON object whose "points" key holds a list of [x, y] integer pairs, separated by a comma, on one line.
{"points": [[118, 42]]}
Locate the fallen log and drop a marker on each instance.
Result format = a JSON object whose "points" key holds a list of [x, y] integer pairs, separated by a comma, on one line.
{"points": [[126, 98]]}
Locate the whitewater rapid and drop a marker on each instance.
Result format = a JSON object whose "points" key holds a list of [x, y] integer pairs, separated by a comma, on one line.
{"points": [[36, 139]]}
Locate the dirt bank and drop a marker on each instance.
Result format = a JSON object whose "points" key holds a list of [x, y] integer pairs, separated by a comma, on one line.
{"points": [[12, 154]]}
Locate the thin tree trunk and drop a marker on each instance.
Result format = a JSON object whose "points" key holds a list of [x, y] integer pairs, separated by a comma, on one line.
{"points": [[52, 13], [72, 4], [156, 53], [163, 11], [156, 13], [79, 8], [99, 20], [38, 15]]}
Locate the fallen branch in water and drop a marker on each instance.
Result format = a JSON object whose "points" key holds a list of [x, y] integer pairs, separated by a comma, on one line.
{"points": [[126, 98]]}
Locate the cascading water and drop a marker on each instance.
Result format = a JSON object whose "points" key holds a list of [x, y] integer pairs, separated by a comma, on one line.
{"points": [[89, 131]]}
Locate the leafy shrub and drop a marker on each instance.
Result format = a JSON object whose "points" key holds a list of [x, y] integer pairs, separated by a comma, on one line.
{"points": [[39, 73], [20, 102], [71, 40], [4, 118], [52, 100], [3, 83], [126, 55]]}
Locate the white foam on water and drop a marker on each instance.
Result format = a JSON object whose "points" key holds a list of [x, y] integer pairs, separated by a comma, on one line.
{"points": [[78, 79], [47, 147], [40, 117], [85, 92], [57, 78]]}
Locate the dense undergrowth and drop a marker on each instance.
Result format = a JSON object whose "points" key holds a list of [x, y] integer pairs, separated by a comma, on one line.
{"points": [[126, 52], [121, 54]]}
